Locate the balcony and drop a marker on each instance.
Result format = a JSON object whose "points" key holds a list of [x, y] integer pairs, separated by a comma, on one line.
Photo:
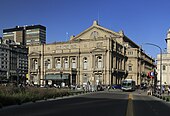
{"points": [[122, 71], [119, 70], [73, 69]]}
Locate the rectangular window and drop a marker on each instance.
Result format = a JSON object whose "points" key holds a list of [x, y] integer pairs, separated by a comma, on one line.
{"points": [[66, 65], [85, 66], [85, 78], [73, 65], [130, 53], [36, 66], [164, 67], [49, 66], [58, 65], [130, 68]]}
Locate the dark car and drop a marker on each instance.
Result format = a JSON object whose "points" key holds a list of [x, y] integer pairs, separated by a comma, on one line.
{"points": [[116, 86], [101, 87], [143, 86]]}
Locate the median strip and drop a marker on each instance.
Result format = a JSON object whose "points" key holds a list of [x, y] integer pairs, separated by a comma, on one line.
{"points": [[129, 111]]}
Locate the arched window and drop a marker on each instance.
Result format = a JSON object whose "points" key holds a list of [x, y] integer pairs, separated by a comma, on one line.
{"points": [[85, 66], [58, 63], [73, 63], [99, 62]]}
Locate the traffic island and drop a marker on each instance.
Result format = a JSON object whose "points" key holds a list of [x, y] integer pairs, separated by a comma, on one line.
{"points": [[16, 96]]}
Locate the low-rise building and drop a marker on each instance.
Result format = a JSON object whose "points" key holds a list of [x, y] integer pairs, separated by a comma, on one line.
{"points": [[13, 62], [165, 63], [4, 62]]}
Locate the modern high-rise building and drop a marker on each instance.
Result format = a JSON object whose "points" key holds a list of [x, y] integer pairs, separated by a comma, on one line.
{"points": [[26, 35], [35, 34]]}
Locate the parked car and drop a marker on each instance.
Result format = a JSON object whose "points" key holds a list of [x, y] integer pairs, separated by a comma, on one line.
{"points": [[116, 86], [143, 86], [101, 87], [56, 86]]}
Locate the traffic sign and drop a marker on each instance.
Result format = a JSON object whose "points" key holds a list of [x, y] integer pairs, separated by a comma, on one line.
{"points": [[151, 74]]}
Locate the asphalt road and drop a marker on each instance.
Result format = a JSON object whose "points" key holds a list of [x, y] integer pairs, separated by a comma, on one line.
{"points": [[115, 103], [150, 106]]}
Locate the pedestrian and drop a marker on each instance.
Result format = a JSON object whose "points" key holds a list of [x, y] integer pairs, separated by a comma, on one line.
{"points": [[108, 87], [163, 90], [168, 90]]}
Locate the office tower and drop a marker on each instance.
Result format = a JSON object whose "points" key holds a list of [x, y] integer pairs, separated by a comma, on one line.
{"points": [[26, 35]]}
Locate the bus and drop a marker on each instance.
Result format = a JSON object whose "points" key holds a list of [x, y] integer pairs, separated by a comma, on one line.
{"points": [[128, 85]]}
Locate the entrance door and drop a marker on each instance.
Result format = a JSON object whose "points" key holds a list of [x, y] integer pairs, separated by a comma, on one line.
{"points": [[98, 79], [73, 79]]}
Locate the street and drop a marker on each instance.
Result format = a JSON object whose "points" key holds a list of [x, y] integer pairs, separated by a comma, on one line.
{"points": [[104, 103]]}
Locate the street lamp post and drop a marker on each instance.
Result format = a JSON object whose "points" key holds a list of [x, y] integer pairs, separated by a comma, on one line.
{"points": [[160, 63]]}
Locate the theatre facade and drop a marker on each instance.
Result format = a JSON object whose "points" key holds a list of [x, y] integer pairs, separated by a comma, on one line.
{"points": [[95, 56]]}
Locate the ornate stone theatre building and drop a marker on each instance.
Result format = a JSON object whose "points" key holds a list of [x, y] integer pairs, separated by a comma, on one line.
{"points": [[96, 56]]}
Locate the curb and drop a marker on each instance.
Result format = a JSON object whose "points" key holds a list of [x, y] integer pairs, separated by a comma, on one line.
{"points": [[46, 99], [163, 98]]}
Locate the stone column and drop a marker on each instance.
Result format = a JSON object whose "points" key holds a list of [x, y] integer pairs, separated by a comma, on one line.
{"points": [[29, 67], [71, 79], [78, 70], [53, 62]]}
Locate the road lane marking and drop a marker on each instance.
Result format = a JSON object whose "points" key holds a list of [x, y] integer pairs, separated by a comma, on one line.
{"points": [[130, 96], [129, 111]]}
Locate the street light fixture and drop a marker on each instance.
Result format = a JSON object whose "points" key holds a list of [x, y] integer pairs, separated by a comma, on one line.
{"points": [[160, 63]]}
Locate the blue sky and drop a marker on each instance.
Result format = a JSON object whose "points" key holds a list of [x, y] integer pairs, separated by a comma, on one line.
{"points": [[141, 20]]}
